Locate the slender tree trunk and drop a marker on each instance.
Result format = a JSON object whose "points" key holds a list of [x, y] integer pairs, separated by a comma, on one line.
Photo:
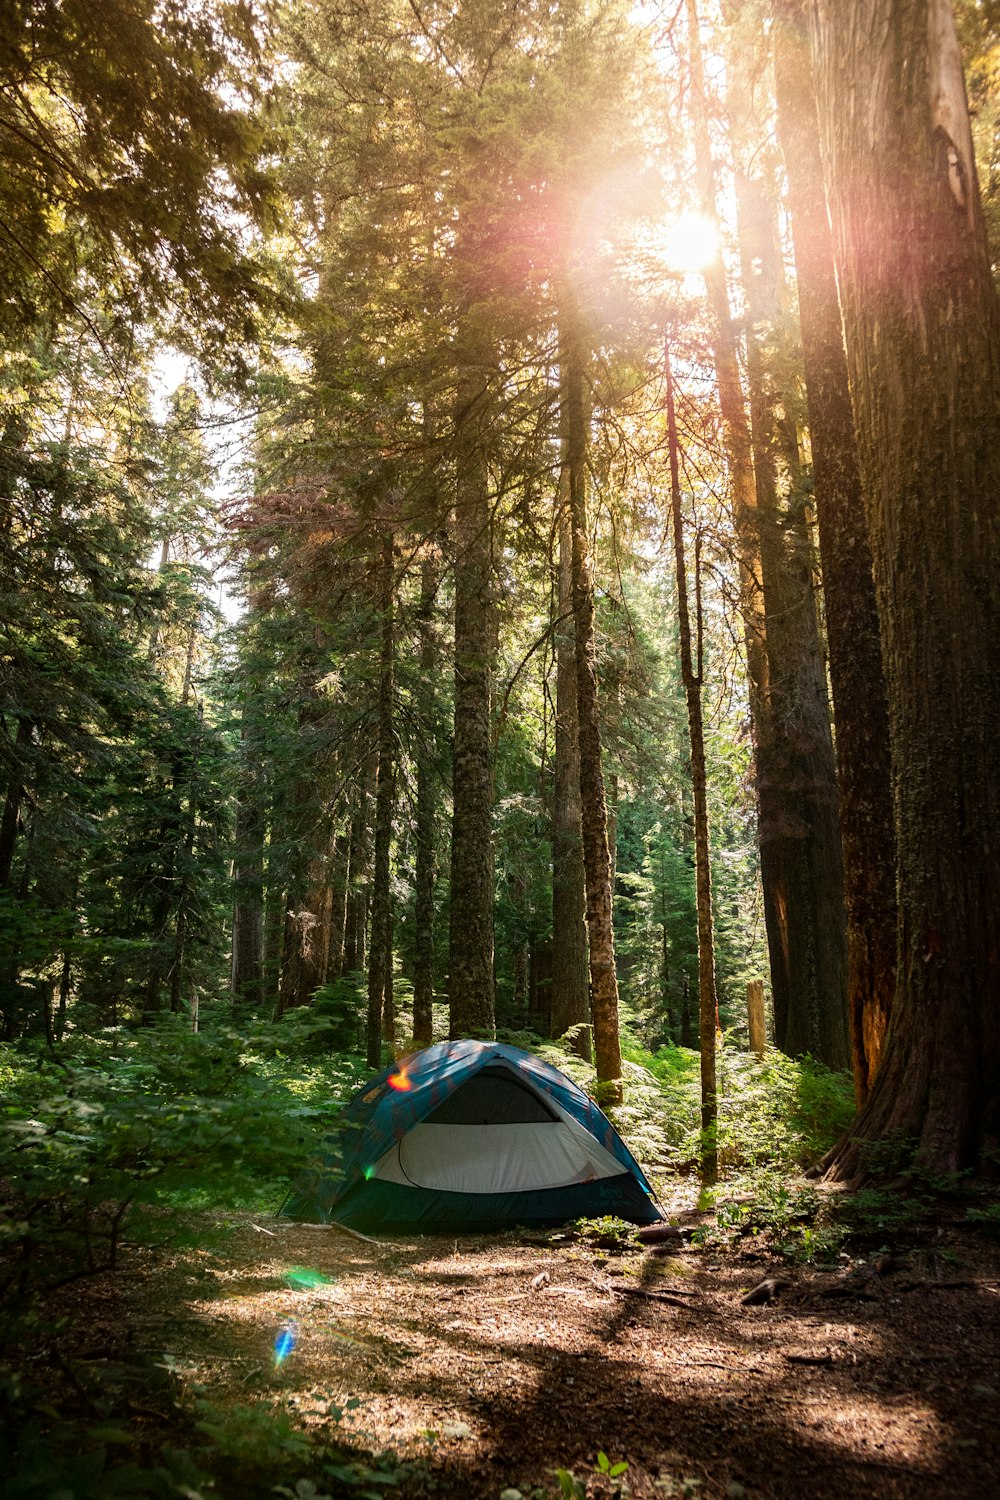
{"points": [[340, 877], [308, 883], [301, 963], [594, 812], [922, 330], [692, 677], [736, 430], [856, 674], [275, 905], [356, 920], [472, 896], [381, 1014], [424, 874], [65, 985], [12, 803], [570, 964], [247, 972]]}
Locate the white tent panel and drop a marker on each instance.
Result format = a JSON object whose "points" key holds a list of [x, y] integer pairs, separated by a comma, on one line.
{"points": [[513, 1158]]}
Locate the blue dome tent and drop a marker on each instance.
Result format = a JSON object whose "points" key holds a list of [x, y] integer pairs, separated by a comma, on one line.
{"points": [[471, 1135]]}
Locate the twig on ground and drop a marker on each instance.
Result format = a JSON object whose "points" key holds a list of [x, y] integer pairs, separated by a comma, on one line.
{"points": [[355, 1234], [673, 1300]]}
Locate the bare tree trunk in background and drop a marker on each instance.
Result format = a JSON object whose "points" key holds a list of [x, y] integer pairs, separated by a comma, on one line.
{"points": [[247, 971], [594, 811], [739, 453], [301, 959], [339, 878], [12, 803], [922, 331], [692, 677], [570, 965], [425, 871], [470, 968], [381, 1011], [356, 940], [861, 713]]}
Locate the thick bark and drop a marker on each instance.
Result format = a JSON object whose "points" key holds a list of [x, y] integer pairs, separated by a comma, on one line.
{"points": [[855, 654], [692, 677], [796, 887], [570, 995], [470, 968], [922, 332], [799, 807], [594, 811], [425, 863], [381, 1013]]}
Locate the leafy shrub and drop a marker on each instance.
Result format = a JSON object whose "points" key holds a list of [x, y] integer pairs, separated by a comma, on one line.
{"points": [[130, 1131]]}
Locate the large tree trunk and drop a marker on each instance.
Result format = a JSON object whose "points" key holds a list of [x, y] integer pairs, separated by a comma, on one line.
{"points": [[594, 811], [798, 887], [799, 807], [381, 1011], [860, 710], [570, 994], [470, 968], [922, 331], [425, 864]]}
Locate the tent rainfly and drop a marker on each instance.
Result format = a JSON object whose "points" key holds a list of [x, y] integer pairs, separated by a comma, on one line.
{"points": [[471, 1135]]}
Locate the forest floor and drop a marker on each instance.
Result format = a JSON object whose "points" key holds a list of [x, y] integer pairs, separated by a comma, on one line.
{"points": [[486, 1363]]}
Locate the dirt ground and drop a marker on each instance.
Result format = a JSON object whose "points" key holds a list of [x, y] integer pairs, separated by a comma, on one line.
{"points": [[492, 1361]]}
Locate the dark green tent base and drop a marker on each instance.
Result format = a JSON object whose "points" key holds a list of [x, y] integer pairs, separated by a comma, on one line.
{"points": [[392, 1208]]}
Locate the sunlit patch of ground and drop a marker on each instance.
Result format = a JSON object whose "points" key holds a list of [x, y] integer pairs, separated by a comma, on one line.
{"points": [[495, 1361]]}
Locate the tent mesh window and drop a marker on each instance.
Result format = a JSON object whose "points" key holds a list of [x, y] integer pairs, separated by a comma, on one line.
{"points": [[493, 1096]]}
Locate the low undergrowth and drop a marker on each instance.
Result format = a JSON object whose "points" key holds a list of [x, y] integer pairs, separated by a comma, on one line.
{"points": [[144, 1138]]}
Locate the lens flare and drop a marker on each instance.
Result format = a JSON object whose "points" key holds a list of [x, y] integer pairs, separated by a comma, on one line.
{"points": [[284, 1343], [369, 1173], [301, 1279], [400, 1082]]}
